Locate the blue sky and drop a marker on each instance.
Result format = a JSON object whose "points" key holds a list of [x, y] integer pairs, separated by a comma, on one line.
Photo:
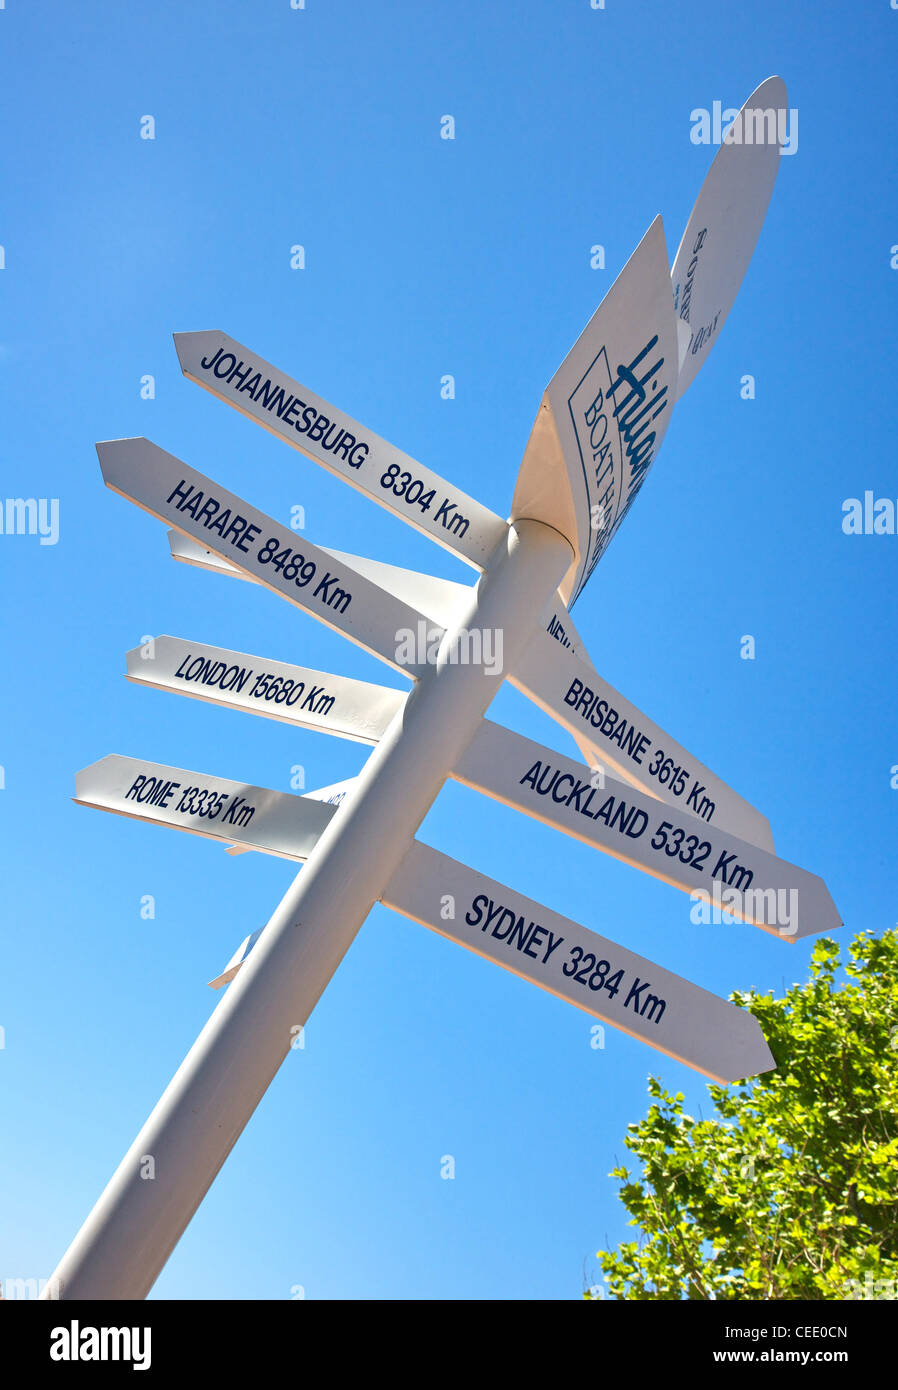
{"points": [[321, 127]]}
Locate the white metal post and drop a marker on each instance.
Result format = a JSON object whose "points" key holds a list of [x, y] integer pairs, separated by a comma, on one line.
{"points": [[134, 1226]]}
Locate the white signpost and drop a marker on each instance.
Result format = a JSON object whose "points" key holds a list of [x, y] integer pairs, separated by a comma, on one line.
{"points": [[598, 430]]}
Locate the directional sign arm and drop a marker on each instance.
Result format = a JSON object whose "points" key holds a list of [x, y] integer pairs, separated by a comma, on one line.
{"points": [[233, 812], [440, 600], [732, 876], [295, 695], [724, 226], [612, 732], [236, 961], [362, 711], [599, 976], [575, 964], [341, 445], [303, 573]]}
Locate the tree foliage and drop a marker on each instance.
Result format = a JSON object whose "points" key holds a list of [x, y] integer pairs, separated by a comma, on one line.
{"points": [[791, 1190]]}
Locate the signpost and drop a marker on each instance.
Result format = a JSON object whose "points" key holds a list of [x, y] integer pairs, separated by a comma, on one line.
{"points": [[214, 807], [598, 430]]}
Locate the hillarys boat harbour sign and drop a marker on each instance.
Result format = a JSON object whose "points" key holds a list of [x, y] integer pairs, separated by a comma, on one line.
{"points": [[605, 413], [598, 430]]}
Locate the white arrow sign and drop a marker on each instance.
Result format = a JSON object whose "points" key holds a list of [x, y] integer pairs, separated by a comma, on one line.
{"points": [[624, 739], [604, 413], [292, 694], [236, 960], [612, 732], [343, 446], [726, 873], [725, 223], [597, 975], [214, 807], [301, 572], [191, 552]]}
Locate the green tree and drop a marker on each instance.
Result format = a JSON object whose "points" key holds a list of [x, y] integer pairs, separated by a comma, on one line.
{"points": [[791, 1190]]}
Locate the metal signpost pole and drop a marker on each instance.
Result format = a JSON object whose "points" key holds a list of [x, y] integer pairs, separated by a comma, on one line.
{"points": [[137, 1221]]}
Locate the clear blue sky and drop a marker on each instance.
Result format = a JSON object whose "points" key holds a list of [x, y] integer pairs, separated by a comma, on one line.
{"points": [[424, 257]]}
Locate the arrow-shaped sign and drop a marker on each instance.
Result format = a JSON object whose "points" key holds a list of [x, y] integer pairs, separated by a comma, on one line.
{"points": [[672, 845], [612, 732], [725, 224], [557, 675], [234, 812], [292, 694], [604, 414], [597, 975], [343, 446], [679, 846], [440, 600], [634, 747], [301, 572]]}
